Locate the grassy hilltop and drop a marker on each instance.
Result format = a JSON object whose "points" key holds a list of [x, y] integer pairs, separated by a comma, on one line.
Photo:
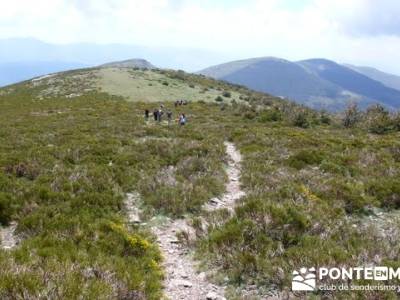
{"points": [[133, 84], [318, 194]]}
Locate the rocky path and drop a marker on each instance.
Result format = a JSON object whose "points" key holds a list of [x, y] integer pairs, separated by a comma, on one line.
{"points": [[182, 279], [131, 206], [233, 191], [7, 237]]}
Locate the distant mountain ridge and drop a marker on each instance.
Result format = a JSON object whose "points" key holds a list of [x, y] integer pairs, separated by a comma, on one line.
{"points": [[24, 53], [318, 83], [353, 81], [130, 63], [27, 49], [390, 80]]}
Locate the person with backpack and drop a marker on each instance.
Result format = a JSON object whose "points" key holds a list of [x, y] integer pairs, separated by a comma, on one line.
{"points": [[160, 114], [155, 114], [182, 119]]}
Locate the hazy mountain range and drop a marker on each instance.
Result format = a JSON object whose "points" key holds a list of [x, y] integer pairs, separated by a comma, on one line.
{"points": [[389, 80], [24, 58], [12, 72], [318, 83]]}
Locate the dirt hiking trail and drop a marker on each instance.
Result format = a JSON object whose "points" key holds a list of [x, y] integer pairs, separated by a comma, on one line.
{"points": [[182, 279]]}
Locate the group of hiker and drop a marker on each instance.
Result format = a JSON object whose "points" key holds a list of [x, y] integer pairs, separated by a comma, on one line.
{"points": [[180, 102], [158, 114]]}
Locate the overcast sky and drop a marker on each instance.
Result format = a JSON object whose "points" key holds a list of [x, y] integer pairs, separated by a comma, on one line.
{"points": [[364, 32]]}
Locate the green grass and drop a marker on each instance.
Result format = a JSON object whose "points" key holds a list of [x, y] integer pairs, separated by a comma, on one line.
{"points": [[135, 85], [151, 86], [65, 168], [306, 188], [67, 162]]}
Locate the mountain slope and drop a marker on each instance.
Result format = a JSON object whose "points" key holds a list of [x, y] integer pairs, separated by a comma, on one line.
{"points": [[305, 83], [137, 85], [281, 78], [390, 80], [353, 81]]}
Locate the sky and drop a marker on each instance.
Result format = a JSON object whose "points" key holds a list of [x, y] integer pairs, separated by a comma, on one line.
{"points": [[362, 32]]}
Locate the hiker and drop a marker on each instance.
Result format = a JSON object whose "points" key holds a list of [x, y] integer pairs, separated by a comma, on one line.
{"points": [[155, 114], [182, 119], [146, 114], [160, 114], [169, 116]]}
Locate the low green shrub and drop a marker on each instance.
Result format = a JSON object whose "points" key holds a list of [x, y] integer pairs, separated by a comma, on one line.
{"points": [[226, 94], [273, 115], [386, 191], [6, 208], [304, 158], [300, 120]]}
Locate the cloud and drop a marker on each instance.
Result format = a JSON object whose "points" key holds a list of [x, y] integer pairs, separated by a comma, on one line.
{"points": [[201, 23], [364, 17], [347, 30]]}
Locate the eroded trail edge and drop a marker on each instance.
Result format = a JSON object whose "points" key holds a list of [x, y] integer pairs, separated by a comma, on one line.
{"points": [[8, 239], [182, 279]]}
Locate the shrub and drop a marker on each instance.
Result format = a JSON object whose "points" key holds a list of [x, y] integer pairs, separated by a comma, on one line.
{"points": [[26, 170], [304, 158], [219, 99], [395, 152], [6, 208], [267, 102], [396, 121], [226, 94], [378, 120], [386, 191], [272, 115], [351, 115], [325, 119], [165, 83], [250, 115], [352, 195], [301, 120]]}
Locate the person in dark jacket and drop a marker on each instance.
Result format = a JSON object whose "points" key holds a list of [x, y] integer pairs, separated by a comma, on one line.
{"points": [[169, 116]]}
